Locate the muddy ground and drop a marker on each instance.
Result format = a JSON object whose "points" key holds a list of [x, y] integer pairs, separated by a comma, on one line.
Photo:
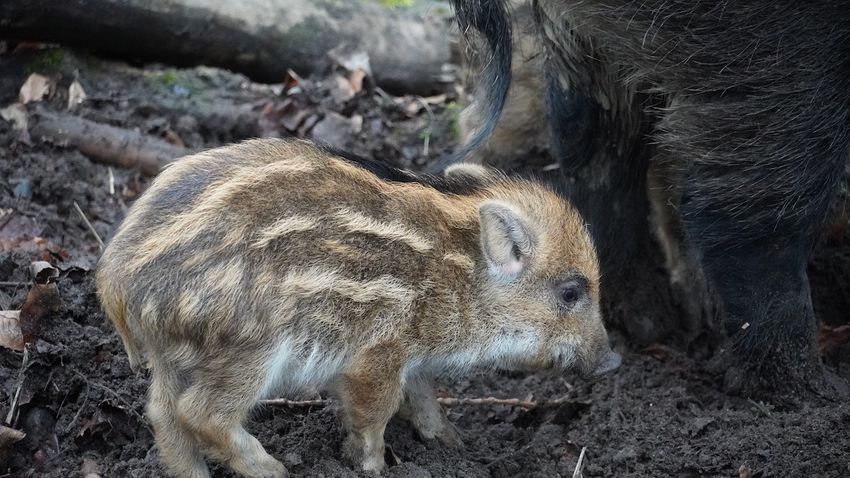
{"points": [[662, 414]]}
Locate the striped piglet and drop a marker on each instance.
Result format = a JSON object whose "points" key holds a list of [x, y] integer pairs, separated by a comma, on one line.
{"points": [[276, 265]]}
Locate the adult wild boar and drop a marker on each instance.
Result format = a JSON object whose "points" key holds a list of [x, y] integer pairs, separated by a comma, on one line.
{"points": [[739, 110]]}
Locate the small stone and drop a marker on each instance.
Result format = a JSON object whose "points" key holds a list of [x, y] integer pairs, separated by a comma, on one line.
{"points": [[292, 459], [626, 454]]}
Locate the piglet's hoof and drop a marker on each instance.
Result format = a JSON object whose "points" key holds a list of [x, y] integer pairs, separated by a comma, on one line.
{"points": [[353, 452], [267, 467], [447, 437]]}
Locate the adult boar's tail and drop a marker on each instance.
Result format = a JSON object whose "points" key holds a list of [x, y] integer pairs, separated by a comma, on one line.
{"points": [[491, 18]]}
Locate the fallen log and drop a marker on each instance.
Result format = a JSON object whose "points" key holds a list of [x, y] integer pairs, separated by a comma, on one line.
{"points": [[104, 143], [408, 49]]}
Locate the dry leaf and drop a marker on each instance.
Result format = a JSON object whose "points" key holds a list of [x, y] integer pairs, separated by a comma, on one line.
{"points": [[174, 138], [831, 338], [657, 351], [90, 468], [17, 115], [43, 272], [20, 327], [9, 436], [10, 330], [35, 88], [291, 83], [42, 301], [355, 79], [76, 95], [356, 60], [343, 90]]}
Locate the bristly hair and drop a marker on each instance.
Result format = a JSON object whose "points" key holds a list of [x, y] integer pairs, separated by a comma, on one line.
{"points": [[459, 185], [492, 19]]}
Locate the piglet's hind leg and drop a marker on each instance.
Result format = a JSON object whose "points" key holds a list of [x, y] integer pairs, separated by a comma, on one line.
{"points": [[215, 415], [421, 409]]}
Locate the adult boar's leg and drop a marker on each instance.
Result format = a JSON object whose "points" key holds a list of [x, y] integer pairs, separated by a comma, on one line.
{"points": [[760, 130], [753, 195]]}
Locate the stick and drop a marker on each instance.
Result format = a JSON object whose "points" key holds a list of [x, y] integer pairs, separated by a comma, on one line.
{"points": [[106, 144], [118, 397], [282, 402], [13, 407], [111, 184], [89, 225], [445, 401], [577, 473]]}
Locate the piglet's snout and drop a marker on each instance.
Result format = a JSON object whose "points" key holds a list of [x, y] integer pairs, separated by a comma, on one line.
{"points": [[611, 362]]}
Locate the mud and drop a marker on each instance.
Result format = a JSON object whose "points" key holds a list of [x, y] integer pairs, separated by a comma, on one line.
{"points": [[662, 414]]}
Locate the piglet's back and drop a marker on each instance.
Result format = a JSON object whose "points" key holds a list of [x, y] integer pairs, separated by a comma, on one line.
{"points": [[236, 243]]}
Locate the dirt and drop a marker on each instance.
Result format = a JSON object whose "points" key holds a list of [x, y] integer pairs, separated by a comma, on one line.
{"points": [[661, 414]]}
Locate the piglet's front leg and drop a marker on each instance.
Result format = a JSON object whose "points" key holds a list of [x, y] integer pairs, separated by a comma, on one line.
{"points": [[370, 393]]}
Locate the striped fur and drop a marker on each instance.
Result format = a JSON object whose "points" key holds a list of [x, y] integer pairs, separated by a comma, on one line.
{"points": [[275, 265]]}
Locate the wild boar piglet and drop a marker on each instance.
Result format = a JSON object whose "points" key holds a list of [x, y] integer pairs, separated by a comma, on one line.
{"points": [[272, 265]]}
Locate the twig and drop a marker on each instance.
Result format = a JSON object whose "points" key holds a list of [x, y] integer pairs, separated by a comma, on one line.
{"points": [[79, 410], [516, 402], [88, 224], [12, 283], [427, 139], [13, 407], [577, 473], [445, 401], [111, 183], [118, 397], [760, 407], [282, 402]]}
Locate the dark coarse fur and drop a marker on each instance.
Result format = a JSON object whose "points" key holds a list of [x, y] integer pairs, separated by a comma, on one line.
{"points": [[492, 20], [460, 184], [749, 102]]}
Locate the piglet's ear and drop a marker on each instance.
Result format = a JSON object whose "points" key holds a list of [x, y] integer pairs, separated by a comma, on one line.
{"points": [[507, 241]]}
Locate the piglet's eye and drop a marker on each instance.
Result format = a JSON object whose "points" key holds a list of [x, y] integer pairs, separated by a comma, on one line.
{"points": [[570, 294]]}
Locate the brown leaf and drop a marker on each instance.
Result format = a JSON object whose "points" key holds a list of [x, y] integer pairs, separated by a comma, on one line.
{"points": [[343, 90], [17, 115], [292, 120], [271, 115], [17, 230], [744, 471], [10, 330], [36, 88], [9, 436], [291, 83], [42, 302], [355, 79], [831, 338], [409, 106], [656, 351], [174, 138], [351, 60]]}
